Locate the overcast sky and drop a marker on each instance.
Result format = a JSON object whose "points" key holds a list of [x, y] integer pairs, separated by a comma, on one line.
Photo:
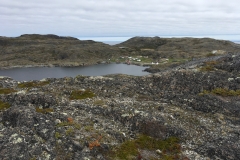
{"points": [[92, 18]]}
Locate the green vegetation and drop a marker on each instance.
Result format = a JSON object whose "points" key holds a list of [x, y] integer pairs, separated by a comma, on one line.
{"points": [[210, 55], [44, 111], [88, 128], [7, 90], [57, 135], [209, 66], [4, 105], [81, 94], [128, 150], [33, 84], [179, 60], [221, 92], [69, 131]]}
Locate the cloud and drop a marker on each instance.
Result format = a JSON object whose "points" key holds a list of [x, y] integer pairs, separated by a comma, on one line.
{"points": [[119, 18]]}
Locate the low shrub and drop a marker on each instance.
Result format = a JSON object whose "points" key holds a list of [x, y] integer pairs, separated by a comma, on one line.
{"points": [[170, 147], [4, 105], [44, 111], [33, 84], [7, 90], [79, 94], [221, 92], [209, 66]]}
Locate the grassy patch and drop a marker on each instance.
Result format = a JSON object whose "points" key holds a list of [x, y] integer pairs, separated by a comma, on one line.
{"points": [[210, 55], [88, 128], [57, 135], [208, 66], [179, 60], [70, 132], [128, 150], [4, 105], [81, 94], [44, 111], [221, 92], [33, 84], [7, 90]]}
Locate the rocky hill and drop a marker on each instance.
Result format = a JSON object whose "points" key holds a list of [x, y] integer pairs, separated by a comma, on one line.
{"points": [[188, 112], [53, 50], [179, 47]]}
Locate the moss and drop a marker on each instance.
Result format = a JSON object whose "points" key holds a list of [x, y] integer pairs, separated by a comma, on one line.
{"points": [[209, 66], [57, 135], [210, 55], [81, 94], [221, 92], [88, 128], [7, 90], [129, 149], [4, 105], [70, 132], [44, 111], [33, 84]]}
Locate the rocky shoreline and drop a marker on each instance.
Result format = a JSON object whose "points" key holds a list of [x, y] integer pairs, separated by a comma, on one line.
{"points": [[95, 117]]}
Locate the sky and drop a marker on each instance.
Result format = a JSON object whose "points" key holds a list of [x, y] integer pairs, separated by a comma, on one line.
{"points": [[121, 18]]}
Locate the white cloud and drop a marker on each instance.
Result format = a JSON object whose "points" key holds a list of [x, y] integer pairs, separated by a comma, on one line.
{"points": [[119, 18]]}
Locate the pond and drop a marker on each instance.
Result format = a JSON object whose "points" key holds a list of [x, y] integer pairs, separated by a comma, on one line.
{"points": [[38, 73]]}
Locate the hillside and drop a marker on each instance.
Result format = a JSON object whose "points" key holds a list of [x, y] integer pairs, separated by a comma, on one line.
{"points": [[189, 112], [53, 50], [179, 47], [184, 112]]}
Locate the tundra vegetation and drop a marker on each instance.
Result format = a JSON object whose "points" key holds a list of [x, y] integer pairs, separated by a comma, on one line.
{"points": [[188, 109]]}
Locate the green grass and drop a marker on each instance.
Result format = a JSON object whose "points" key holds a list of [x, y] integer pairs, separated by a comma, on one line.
{"points": [[210, 55], [179, 60], [33, 84], [4, 105], [70, 132], [128, 150], [44, 111], [221, 92], [208, 66], [7, 90], [81, 94], [57, 135]]}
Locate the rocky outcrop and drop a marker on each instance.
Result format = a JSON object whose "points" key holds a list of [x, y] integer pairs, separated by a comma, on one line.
{"points": [[43, 122], [53, 50]]}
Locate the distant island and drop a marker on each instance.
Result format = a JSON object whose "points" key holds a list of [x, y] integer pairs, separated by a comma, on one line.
{"points": [[187, 109]]}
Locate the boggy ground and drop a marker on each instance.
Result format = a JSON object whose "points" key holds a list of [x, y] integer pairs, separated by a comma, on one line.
{"points": [[188, 112]]}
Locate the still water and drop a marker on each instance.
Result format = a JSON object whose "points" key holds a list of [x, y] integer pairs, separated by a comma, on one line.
{"points": [[38, 73]]}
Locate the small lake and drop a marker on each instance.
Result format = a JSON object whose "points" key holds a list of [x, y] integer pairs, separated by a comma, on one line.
{"points": [[38, 73]]}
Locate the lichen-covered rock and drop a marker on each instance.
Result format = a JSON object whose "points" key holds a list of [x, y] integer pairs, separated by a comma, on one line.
{"points": [[45, 123]]}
